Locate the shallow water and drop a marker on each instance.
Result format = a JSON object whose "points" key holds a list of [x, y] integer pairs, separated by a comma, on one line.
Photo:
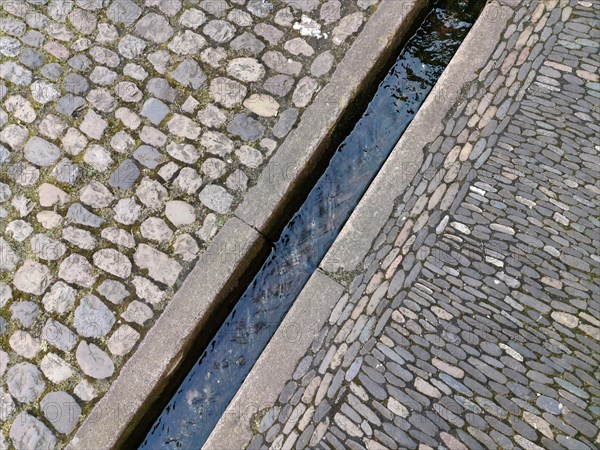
{"points": [[201, 399]]}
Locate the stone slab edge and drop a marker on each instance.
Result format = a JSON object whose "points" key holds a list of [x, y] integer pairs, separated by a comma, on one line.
{"points": [[276, 364], [161, 350], [298, 155], [376, 206]]}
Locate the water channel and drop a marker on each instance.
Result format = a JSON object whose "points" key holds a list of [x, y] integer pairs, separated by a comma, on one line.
{"points": [[197, 405]]}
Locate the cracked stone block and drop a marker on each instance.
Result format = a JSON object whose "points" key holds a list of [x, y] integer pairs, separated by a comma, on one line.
{"points": [[188, 181], [137, 312], [279, 63], [216, 199], [55, 368], [96, 195], [47, 248], [192, 18], [19, 230], [211, 116], [119, 237], [58, 335], [121, 142], [123, 340], [187, 43], [279, 85], [214, 168], [247, 42], [77, 270], [93, 361], [85, 391], [183, 127], [250, 157], [25, 382], [147, 290], [28, 432], [73, 142], [131, 47], [219, 31], [113, 262], [93, 318], [160, 267], [60, 298], [32, 278], [304, 92]]}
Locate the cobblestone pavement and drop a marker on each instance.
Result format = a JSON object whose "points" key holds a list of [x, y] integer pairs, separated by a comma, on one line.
{"points": [[130, 129], [475, 319]]}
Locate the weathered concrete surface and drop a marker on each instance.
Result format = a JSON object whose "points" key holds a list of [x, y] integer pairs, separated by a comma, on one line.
{"points": [[367, 220], [297, 157], [276, 364]]}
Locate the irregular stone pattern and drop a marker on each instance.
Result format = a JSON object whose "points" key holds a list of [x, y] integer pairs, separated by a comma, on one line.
{"points": [[117, 169], [474, 321]]}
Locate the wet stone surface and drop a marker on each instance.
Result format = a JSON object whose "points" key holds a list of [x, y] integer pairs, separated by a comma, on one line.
{"points": [[129, 132], [474, 320]]}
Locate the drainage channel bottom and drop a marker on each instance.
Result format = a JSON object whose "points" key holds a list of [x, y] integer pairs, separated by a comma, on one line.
{"points": [[197, 405]]}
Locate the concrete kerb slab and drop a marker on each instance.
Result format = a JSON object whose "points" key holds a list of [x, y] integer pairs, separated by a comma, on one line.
{"points": [[162, 349], [142, 378], [291, 166], [376, 206], [276, 364]]}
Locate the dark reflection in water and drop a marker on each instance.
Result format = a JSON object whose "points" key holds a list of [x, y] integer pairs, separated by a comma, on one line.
{"points": [[198, 404]]}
